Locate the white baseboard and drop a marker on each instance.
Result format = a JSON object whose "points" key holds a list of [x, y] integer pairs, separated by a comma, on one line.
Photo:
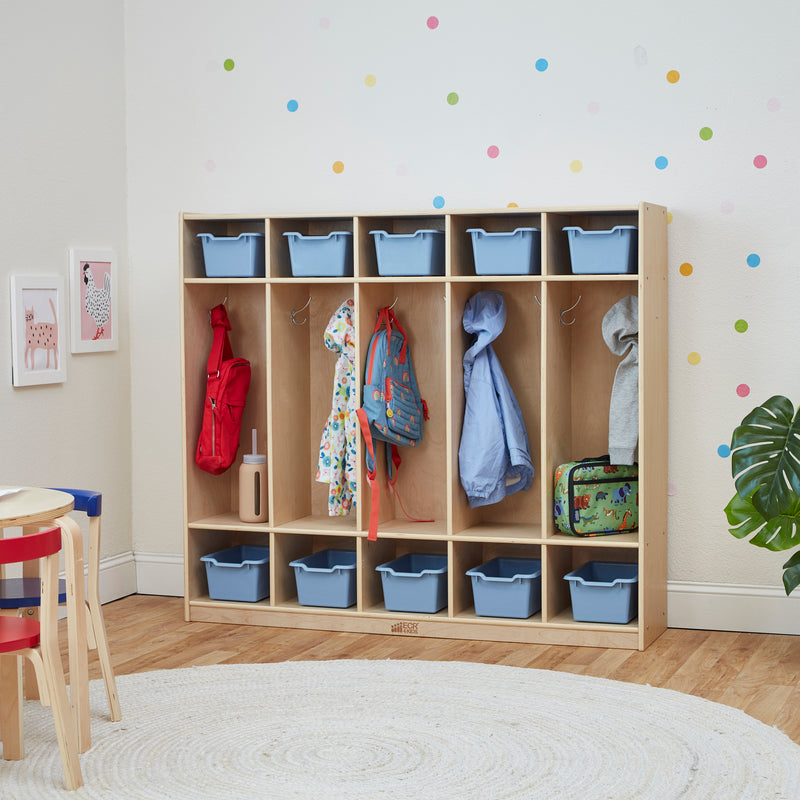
{"points": [[117, 577], [700, 606]]}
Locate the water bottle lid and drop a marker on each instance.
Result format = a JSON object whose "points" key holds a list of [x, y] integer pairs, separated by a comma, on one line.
{"points": [[254, 458]]}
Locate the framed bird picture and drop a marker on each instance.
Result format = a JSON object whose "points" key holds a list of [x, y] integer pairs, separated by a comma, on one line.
{"points": [[94, 289]]}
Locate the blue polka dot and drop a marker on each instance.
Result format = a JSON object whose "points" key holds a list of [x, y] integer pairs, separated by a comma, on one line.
{"points": [[541, 64], [724, 451], [662, 162], [292, 105], [753, 260], [438, 201]]}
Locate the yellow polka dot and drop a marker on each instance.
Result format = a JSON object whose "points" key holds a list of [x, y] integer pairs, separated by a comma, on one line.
{"points": [[693, 358], [370, 80], [576, 166], [338, 167], [686, 268], [513, 205], [673, 76], [669, 217]]}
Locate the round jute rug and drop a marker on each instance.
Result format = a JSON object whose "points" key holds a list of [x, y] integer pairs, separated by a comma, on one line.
{"points": [[415, 730]]}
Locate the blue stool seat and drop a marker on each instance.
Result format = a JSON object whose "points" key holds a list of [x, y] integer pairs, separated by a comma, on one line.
{"points": [[24, 592]]}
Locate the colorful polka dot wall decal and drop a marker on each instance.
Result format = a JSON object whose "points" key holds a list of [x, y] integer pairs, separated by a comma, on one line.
{"points": [[753, 260], [724, 451], [672, 488], [662, 162], [726, 207], [693, 358], [743, 390], [370, 80], [773, 104], [211, 165], [493, 151], [673, 76], [432, 23], [338, 167], [741, 325], [292, 105], [513, 205], [541, 64], [438, 201], [686, 269], [759, 162], [452, 98], [669, 218], [593, 107], [229, 64], [576, 166], [325, 23], [706, 134]]}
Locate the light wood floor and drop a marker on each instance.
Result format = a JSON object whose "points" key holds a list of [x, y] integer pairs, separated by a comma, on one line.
{"points": [[758, 673]]}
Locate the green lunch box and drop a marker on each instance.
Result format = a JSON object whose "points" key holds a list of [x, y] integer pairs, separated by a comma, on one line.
{"points": [[594, 497]]}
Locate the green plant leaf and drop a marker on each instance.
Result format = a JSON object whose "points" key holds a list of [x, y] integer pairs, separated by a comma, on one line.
{"points": [[765, 457], [791, 573], [779, 533]]}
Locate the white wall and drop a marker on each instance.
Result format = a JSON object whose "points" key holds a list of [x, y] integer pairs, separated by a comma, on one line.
{"points": [[62, 140]]}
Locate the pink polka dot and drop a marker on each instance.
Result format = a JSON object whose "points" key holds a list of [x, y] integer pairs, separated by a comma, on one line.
{"points": [[743, 390], [593, 107], [672, 488], [493, 151], [773, 104], [759, 162], [726, 207], [433, 23], [325, 23], [211, 165]]}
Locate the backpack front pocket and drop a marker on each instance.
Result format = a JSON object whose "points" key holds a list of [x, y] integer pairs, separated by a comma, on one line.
{"points": [[403, 414]]}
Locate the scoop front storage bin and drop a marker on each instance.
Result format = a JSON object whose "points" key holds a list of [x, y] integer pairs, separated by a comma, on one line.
{"points": [[507, 587], [415, 582], [604, 591], [239, 256], [420, 253], [516, 253], [238, 573], [603, 252], [329, 256], [326, 578]]}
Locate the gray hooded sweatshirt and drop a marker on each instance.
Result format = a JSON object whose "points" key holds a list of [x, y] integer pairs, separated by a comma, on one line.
{"points": [[621, 334]]}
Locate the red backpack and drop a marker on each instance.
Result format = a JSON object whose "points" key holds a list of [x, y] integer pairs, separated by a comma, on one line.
{"points": [[226, 390]]}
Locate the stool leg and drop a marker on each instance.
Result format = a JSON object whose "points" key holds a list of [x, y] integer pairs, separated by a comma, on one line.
{"points": [[30, 569], [11, 707]]}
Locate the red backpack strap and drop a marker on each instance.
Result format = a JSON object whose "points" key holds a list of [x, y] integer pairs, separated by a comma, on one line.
{"points": [[371, 476], [221, 346]]}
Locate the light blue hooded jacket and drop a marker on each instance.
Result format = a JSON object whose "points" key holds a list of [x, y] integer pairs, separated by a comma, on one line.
{"points": [[494, 456]]}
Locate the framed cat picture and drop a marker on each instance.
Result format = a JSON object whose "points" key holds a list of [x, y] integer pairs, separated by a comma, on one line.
{"points": [[38, 330], [93, 300]]}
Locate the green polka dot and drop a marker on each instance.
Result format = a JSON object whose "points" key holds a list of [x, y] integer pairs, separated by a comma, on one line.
{"points": [[452, 98], [706, 134], [740, 325], [229, 65]]}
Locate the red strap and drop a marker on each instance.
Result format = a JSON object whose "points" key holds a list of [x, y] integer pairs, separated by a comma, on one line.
{"points": [[371, 476], [221, 346], [386, 316]]}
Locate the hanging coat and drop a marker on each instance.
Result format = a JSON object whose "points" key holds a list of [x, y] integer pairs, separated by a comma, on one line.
{"points": [[494, 457], [337, 449]]}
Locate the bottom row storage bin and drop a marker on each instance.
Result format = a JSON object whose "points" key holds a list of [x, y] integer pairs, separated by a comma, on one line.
{"points": [[604, 591], [415, 582], [238, 573], [507, 587], [326, 578]]}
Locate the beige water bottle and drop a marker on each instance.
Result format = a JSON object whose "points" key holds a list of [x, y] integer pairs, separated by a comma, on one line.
{"points": [[253, 486]]}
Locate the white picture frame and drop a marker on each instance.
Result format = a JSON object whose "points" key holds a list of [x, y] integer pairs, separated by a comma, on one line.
{"points": [[38, 330], [94, 325]]}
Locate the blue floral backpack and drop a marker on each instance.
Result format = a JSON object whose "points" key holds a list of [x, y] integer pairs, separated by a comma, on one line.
{"points": [[392, 410]]}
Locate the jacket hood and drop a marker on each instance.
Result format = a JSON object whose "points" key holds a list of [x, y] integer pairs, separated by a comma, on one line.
{"points": [[484, 316]]}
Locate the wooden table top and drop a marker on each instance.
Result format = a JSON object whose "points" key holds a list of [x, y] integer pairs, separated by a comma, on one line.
{"points": [[31, 504]]}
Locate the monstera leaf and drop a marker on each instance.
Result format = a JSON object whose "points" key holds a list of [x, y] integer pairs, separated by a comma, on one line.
{"points": [[779, 533], [765, 458], [791, 573]]}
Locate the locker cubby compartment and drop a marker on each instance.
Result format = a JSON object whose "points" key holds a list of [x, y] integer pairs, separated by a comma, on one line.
{"points": [[468, 555], [288, 547], [462, 259], [557, 240], [193, 261], [217, 496], [384, 550], [279, 261], [421, 309], [301, 392], [562, 560], [366, 255], [518, 349], [202, 543]]}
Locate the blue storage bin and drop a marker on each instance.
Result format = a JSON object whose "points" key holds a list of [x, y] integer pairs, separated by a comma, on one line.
{"points": [[329, 256], [238, 573], [326, 578], [603, 252], [415, 582], [507, 587], [239, 256], [516, 253], [604, 591], [419, 253]]}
